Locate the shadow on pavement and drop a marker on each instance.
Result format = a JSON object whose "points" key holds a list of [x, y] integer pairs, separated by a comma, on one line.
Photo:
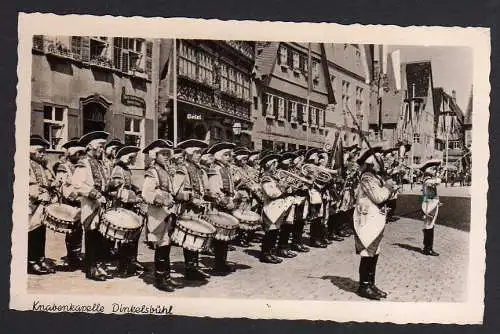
{"points": [[343, 283], [252, 252], [209, 262], [409, 247], [178, 267]]}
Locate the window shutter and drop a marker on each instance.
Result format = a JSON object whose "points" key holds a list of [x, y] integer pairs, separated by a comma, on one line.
{"points": [[149, 58], [289, 110], [125, 62], [317, 111], [85, 49], [309, 115], [265, 105]]}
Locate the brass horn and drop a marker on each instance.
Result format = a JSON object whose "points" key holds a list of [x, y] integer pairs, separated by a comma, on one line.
{"points": [[318, 173]]}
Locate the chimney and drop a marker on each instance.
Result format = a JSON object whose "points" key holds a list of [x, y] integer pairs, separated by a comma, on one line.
{"points": [[454, 96]]}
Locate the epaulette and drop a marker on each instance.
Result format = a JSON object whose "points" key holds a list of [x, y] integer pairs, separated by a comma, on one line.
{"points": [[211, 171], [150, 172], [266, 178], [181, 170]]}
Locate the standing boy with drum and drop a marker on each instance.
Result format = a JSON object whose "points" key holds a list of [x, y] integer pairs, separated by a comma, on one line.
{"points": [[126, 195], [90, 182], [64, 172], [40, 188], [157, 193], [222, 193], [430, 203], [189, 179]]}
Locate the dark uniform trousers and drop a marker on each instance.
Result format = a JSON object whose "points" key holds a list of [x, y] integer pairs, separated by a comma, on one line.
{"points": [[74, 239], [36, 244]]}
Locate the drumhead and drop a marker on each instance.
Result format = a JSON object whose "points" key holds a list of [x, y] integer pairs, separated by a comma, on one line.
{"points": [[246, 215], [223, 219], [62, 211], [197, 225], [123, 218]]}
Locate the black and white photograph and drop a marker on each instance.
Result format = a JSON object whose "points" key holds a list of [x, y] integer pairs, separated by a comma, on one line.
{"points": [[287, 171]]}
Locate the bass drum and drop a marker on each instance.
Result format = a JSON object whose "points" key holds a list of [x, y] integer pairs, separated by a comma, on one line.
{"points": [[192, 233], [61, 217], [120, 225], [225, 224], [249, 220]]}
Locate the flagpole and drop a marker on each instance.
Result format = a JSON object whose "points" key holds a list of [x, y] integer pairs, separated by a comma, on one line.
{"points": [[412, 111], [175, 92], [309, 74]]}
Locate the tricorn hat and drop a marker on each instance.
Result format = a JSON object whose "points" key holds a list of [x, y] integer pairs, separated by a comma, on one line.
{"points": [[37, 140], [368, 153], [158, 145], [91, 136], [126, 150], [430, 163], [268, 158]]}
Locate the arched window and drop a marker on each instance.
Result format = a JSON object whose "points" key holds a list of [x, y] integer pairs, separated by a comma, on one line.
{"points": [[94, 108]]}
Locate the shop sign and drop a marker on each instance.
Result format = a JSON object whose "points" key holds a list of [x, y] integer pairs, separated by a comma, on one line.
{"points": [[132, 100]]}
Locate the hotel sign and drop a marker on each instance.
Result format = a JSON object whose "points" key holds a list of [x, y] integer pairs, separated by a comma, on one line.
{"points": [[194, 116]]}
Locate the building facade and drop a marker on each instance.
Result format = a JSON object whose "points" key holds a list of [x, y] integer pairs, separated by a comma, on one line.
{"points": [[302, 92], [449, 126], [208, 84], [87, 83]]}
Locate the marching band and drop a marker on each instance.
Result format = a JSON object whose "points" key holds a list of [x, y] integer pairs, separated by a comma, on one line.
{"points": [[209, 199]]}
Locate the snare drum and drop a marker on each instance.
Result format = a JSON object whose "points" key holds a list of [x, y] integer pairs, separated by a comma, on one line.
{"points": [[192, 233], [120, 225], [249, 220], [61, 217], [226, 225]]}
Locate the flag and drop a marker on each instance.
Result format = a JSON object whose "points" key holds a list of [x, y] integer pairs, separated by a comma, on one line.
{"points": [[396, 66], [166, 53]]}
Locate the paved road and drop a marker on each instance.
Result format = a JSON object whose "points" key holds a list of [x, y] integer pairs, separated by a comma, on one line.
{"points": [[322, 274]]}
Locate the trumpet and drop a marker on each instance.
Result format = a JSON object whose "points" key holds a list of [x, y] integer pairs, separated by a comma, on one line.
{"points": [[291, 180], [318, 173]]}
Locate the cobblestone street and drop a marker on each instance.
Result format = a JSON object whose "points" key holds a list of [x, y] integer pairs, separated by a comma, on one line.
{"points": [[322, 274]]}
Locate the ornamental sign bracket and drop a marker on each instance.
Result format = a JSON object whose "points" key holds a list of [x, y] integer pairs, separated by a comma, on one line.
{"points": [[132, 100]]}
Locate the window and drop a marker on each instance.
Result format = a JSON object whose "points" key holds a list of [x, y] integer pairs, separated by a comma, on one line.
{"points": [[303, 63], [133, 131], [302, 147], [256, 103], [295, 61], [289, 58], [416, 160], [292, 147], [283, 55], [54, 126], [205, 69], [345, 95], [268, 109], [292, 111], [300, 113], [129, 54], [416, 138], [315, 70], [359, 101], [280, 146], [267, 145], [312, 116], [281, 108], [276, 106]]}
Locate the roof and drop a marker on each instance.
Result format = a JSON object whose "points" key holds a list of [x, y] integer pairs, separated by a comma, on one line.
{"points": [[420, 75], [265, 57], [468, 111], [439, 95]]}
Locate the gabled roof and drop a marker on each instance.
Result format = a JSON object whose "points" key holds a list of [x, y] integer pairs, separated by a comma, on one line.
{"points": [[265, 58], [468, 111], [439, 96], [419, 74]]}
